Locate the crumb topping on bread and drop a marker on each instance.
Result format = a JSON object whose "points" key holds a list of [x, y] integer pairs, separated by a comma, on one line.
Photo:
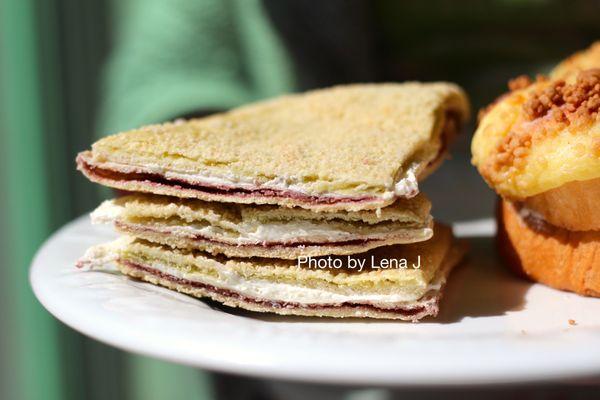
{"points": [[560, 103], [520, 82], [566, 102], [543, 134]]}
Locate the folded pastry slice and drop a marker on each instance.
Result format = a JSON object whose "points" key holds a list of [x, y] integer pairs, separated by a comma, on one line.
{"points": [[409, 291], [238, 230], [348, 148]]}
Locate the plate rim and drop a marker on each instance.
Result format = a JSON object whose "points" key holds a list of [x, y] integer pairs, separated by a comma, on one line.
{"points": [[229, 365]]}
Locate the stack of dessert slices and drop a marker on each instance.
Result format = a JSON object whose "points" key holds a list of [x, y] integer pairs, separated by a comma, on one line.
{"points": [[306, 204]]}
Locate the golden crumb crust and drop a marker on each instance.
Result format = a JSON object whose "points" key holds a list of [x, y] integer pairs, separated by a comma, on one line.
{"points": [[355, 140], [543, 134]]}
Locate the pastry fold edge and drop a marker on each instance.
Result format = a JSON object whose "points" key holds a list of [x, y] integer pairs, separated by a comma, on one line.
{"points": [[264, 231]]}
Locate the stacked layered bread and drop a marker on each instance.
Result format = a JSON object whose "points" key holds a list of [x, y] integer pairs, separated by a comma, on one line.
{"points": [[539, 148], [302, 205]]}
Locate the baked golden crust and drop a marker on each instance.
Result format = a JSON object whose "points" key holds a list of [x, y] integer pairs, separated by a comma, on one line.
{"points": [[557, 257], [541, 136], [353, 141]]}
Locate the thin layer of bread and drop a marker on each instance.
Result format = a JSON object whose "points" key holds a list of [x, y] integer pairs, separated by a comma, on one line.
{"points": [[414, 211], [427, 306], [343, 148], [185, 239], [264, 231]]}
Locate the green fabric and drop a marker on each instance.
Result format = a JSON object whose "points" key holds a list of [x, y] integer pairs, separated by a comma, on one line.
{"points": [[177, 57], [34, 370], [170, 58]]}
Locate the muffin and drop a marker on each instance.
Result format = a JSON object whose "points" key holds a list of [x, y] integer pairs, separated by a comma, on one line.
{"points": [[538, 147]]}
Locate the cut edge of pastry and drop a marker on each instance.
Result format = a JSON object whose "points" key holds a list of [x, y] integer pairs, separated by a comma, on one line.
{"points": [[281, 250], [414, 311], [255, 231], [367, 294], [426, 306]]}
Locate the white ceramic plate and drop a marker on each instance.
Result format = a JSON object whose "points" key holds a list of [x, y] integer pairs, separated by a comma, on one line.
{"points": [[493, 328]]}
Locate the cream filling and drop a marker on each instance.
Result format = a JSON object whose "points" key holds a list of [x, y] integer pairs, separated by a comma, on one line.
{"points": [[406, 186], [256, 233], [284, 292], [274, 232], [288, 233], [228, 279], [106, 213]]}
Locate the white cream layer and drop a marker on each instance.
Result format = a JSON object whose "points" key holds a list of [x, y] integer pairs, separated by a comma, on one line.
{"points": [[229, 279], [406, 185], [264, 232], [284, 292]]}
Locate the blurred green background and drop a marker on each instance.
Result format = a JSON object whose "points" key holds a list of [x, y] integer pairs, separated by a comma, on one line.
{"points": [[72, 71]]}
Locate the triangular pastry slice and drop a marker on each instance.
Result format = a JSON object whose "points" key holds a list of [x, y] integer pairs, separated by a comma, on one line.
{"points": [[348, 148]]}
